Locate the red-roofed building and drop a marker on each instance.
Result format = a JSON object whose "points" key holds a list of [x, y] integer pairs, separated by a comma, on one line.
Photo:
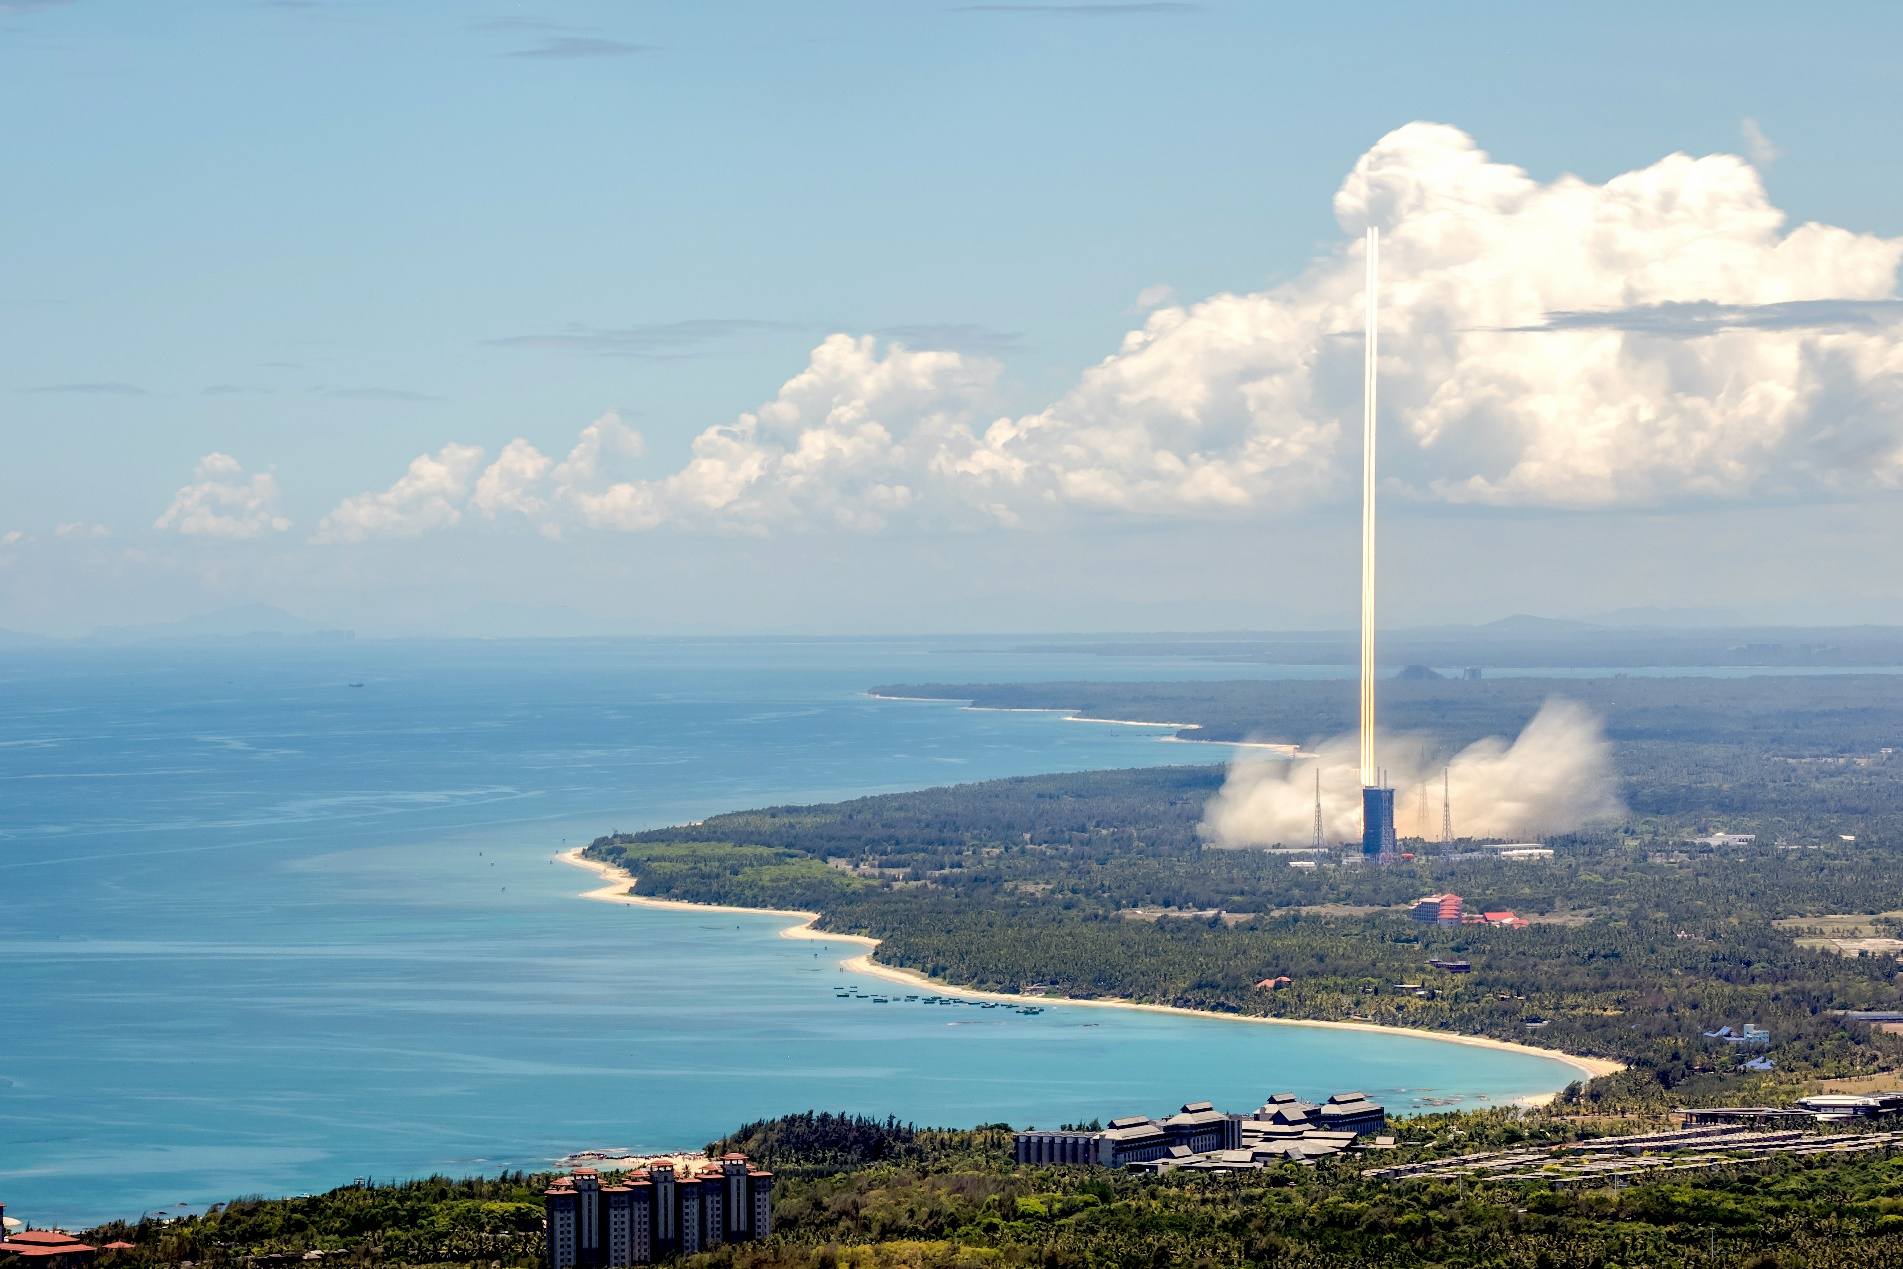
{"points": [[45, 1247], [1442, 909]]}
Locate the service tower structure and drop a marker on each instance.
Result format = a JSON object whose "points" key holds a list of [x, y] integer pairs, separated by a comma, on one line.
{"points": [[1377, 796]]}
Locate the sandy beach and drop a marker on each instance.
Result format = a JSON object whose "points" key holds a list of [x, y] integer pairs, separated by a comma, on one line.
{"points": [[616, 891]]}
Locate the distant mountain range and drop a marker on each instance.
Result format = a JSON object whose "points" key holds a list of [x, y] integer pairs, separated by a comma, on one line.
{"points": [[1621, 636]]}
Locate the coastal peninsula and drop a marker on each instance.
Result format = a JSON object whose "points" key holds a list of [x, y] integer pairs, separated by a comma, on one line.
{"points": [[619, 888], [1620, 950]]}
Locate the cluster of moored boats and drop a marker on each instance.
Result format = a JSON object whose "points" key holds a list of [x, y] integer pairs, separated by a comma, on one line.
{"points": [[853, 993]]}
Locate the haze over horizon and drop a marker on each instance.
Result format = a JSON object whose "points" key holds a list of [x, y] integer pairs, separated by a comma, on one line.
{"points": [[509, 336]]}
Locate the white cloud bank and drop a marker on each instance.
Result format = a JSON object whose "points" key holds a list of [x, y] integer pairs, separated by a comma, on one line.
{"points": [[1555, 777], [223, 502], [429, 496], [1537, 352]]}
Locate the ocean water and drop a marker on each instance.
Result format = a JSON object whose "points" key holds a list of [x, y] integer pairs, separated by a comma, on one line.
{"points": [[263, 930]]}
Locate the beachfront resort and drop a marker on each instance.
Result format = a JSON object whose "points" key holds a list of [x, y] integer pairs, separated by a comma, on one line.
{"points": [[1200, 1138]]}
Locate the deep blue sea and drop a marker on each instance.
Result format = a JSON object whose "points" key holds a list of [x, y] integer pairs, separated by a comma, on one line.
{"points": [[263, 931]]}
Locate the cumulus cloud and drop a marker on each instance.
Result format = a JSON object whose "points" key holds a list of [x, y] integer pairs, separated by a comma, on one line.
{"points": [[608, 437], [224, 502], [524, 480], [1238, 400], [845, 444], [509, 483], [1555, 776], [430, 495], [1662, 338], [1495, 390], [14, 537], [841, 445]]}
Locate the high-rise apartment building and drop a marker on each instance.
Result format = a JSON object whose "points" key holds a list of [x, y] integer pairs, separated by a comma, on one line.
{"points": [[655, 1212]]}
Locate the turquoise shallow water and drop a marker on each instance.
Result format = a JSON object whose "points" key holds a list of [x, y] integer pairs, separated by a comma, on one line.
{"points": [[265, 932]]}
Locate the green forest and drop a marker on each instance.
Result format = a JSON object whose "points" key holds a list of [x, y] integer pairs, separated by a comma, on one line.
{"points": [[853, 1193]]}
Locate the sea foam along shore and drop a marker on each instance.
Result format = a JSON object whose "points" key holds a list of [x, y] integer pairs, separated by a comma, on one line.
{"points": [[1072, 716], [616, 891]]}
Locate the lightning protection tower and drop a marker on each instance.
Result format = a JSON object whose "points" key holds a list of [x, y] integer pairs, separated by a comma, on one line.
{"points": [[1446, 809], [1318, 806]]}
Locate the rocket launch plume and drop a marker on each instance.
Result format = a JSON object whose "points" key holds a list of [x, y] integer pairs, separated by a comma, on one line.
{"points": [[1556, 776], [1369, 774]]}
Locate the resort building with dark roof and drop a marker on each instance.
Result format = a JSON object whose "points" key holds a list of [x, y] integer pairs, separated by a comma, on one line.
{"points": [[1284, 1129]]}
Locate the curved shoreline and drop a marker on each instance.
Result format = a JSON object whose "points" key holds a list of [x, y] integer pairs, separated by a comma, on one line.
{"points": [[619, 879], [1078, 716]]}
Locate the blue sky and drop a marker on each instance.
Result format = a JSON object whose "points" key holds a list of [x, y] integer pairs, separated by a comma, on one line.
{"points": [[325, 238]]}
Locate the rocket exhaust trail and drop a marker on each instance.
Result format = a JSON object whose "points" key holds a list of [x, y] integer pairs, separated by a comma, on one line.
{"points": [[1377, 796], [1558, 774], [1369, 775]]}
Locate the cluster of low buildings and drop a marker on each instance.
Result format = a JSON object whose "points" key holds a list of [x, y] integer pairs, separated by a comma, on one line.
{"points": [[1200, 1138], [1451, 909], [1614, 1160], [48, 1248], [1522, 851], [1825, 1108], [1752, 1036], [669, 1208]]}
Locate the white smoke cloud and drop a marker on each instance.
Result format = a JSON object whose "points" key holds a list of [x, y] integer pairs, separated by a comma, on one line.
{"points": [[1545, 344], [223, 502], [1555, 777]]}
